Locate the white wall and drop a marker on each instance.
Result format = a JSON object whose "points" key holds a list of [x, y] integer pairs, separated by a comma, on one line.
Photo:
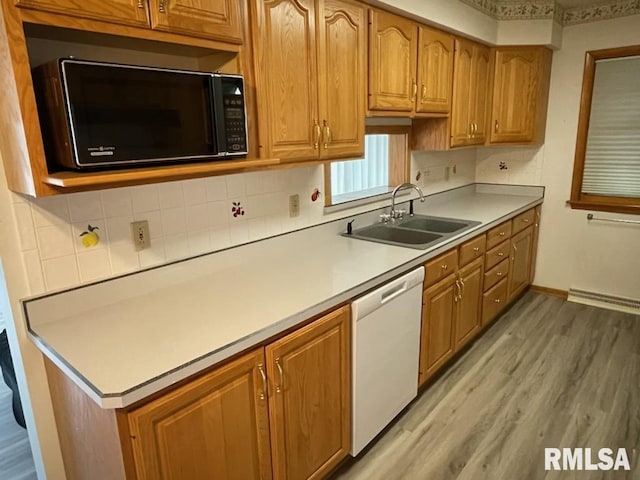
{"points": [[573, 253]]}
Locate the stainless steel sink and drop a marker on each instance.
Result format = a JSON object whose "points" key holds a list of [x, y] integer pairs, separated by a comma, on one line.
{"points": [[415, 231]]}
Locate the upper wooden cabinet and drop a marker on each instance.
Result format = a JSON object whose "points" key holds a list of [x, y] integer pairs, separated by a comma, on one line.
{"points": [[216, 19], [410, 66], [128, 12], [470, 92], [520, 94], [310, 69], [435, 70]]}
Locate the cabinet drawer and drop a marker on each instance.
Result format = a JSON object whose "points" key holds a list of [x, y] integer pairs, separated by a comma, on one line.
{"points": [[497, 273], [497, 254], [440, 267], [498, 234], [472, 249], [494, 301], [523, 220]]}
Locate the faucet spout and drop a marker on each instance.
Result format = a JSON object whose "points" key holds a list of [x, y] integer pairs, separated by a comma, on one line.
{"points": [[403, 186]]}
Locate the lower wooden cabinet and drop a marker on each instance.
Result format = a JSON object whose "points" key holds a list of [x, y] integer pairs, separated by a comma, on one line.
{"points": [[469, 303], [214, 427], [520, 262], [282, 411]]}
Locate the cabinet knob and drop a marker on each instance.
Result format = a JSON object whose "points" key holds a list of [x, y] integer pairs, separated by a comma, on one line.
{"points": [[476, 249], [444, 266], [502, 234], [501, 254], [525, 220], [499, 274], [496, 126], [497, 300]]}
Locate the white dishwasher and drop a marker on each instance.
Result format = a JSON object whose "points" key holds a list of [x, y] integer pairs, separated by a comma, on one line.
{"points": [[386, 354]]}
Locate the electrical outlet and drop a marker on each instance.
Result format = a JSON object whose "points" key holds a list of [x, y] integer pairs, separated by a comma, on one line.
{"points": [[294, 205], [140, 235]]}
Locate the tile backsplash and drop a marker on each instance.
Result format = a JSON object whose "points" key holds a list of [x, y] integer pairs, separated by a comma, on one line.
{"points": [[193, 217]]}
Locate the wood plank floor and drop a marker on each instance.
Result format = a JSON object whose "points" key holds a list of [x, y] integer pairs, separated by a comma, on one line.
{"points": [[549, 373], [16, 462]]}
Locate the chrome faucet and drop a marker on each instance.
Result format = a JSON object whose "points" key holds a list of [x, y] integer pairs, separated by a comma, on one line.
{"points": [[399, 213]]}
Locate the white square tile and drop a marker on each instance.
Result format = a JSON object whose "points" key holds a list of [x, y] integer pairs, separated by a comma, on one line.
{"points": [[273, 225], [199, 242], [197, 217], [117, 202], [153, 256], [55, 241], [220, 238], [235, 186], [33, 268], [195, 191], [171, 195], [173, 221], [78, 228], [60, 272], [124, 259], [256, 228], [19, 198], [176, 247], [216, 188], [119, 231], [259, 183], [94, 265], [85, 206], [218, 212], [26, 230], [145, 198], [50, 210], [239, 232]]}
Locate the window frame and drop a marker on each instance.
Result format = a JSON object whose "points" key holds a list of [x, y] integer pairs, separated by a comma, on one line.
{"points": [[399, 160], [586, 201]]}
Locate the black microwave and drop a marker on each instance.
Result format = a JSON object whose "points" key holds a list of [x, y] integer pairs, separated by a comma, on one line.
{"points": [[96, 114]]}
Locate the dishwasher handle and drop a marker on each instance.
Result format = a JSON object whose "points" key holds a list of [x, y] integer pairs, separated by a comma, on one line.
{"points": [[372, 301]]}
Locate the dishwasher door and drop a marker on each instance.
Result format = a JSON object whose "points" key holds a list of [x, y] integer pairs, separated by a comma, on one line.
{"points": [[386, 354]]}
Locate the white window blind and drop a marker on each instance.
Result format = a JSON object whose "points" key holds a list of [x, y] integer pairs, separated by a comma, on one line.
{"points": [[612, 159], [368, 173]]}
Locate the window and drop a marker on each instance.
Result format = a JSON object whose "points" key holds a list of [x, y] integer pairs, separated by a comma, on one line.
{"points": [[384, 166], [606, 173]]}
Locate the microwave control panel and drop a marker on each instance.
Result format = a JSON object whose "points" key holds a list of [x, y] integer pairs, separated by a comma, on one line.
{"points": [[234, 114]]}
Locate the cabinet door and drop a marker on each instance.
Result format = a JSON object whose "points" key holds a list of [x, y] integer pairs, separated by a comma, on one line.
{"points": [[213, 427], [342, 77], [460, 111], [534, 246], [393, 46], [128, 12], [286, 77], [310, 401], [435, 70], [520, 264], [217, 19], [514, 95], [469, 305], [480, 74], [436, 337]]}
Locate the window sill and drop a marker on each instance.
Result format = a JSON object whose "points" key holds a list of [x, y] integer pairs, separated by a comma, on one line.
{"points": [[599, 206], [356, 199]]}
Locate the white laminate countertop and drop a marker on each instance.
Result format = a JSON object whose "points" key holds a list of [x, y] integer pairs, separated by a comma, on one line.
{"points": [[123, 339]]}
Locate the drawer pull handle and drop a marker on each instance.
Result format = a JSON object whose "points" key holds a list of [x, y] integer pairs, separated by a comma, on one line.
{"points": [[281, 386], [501, 254], [497, 300], [502, 234], [140, 4], [525, 220], [161, 6], [499, 274], [476, 249], [263, 394], [444, 266]]}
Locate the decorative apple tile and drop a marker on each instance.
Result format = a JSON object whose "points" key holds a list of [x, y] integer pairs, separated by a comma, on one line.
{"points": [[90, 237], [315, 195], [237, 210]]}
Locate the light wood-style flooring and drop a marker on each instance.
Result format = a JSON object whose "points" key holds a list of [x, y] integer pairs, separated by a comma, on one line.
{"points": [[549, 373], [16, 461]]}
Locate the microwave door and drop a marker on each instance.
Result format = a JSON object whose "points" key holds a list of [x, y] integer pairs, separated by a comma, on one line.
{"points": [[229, 114], [123, 115]]}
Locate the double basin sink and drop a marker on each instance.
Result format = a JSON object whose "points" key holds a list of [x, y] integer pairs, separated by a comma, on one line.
{"points": [[414, 231]]}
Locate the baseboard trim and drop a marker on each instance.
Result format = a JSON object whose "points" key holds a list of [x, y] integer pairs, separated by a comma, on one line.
{"points": [[611, 302], [550, 291]]}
